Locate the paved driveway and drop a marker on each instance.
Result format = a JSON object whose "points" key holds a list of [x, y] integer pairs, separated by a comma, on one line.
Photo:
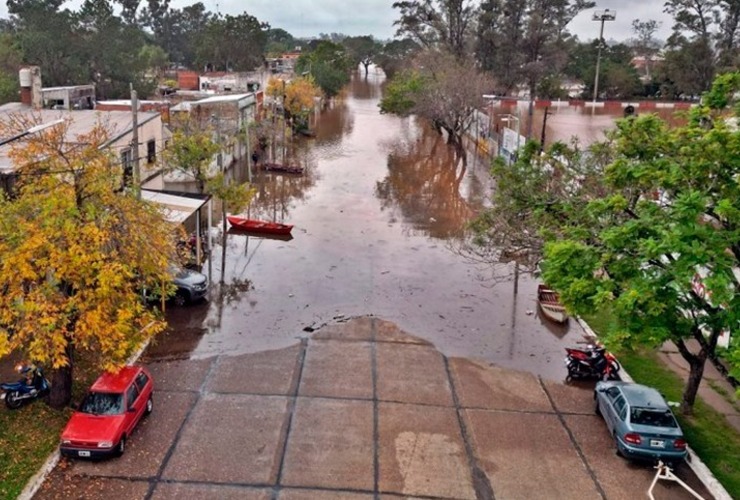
{"points": [[361, 410]]}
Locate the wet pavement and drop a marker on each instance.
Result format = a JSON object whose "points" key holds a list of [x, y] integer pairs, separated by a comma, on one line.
{"points": [[361, 410]]}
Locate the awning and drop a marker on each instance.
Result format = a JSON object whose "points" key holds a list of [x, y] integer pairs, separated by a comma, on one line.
{"points": [[178, 207]]}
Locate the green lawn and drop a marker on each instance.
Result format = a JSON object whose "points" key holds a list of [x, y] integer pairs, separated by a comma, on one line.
{"points": [[29, 434], [707, 431]]}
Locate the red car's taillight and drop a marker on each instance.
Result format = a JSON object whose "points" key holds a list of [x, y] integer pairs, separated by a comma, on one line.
{"points": [[679, 444], [632, 438]]}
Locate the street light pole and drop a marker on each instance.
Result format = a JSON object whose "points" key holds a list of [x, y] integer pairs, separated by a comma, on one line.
{"points": [[601, 15]]}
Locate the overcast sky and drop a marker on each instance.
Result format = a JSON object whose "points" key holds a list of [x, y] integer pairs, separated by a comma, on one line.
{"points": [[375, 17]]}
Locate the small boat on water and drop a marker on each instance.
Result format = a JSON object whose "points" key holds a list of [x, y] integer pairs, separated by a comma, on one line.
{"points": [[549, 302], [285, 169], [259, 226]]}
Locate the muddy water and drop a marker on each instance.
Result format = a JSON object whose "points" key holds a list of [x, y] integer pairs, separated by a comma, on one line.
{"points": [[376, 217]]}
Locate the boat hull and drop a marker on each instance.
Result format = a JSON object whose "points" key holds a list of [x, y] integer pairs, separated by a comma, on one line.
{"points": [[283, 169], [259, 226], [550, 305]]}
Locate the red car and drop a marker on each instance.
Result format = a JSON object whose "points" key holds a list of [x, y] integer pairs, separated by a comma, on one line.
{"points": [[108, 414]]}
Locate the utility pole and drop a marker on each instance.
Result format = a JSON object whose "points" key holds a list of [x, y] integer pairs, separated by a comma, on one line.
{"points": [[601, 15], [135, 141]]}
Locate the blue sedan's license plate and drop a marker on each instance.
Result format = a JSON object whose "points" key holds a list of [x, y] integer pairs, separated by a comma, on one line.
{"points": [[657, 443], [83, 453]]}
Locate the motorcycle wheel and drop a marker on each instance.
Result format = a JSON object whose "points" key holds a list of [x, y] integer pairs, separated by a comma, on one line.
{"points": [[12, 400]]}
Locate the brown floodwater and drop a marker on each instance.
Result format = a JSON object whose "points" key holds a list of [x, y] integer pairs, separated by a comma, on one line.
{"points": [[377, 215]]}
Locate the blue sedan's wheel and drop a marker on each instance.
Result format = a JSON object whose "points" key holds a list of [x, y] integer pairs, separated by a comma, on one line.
{"points": [[597, 410]]}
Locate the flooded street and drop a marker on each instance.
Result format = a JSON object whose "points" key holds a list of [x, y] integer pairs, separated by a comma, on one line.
{"points": [[376, 217]]}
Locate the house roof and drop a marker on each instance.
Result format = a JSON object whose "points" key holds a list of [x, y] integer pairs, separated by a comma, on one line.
{"points": [[81, 122], [216, 99], [176, 207]]}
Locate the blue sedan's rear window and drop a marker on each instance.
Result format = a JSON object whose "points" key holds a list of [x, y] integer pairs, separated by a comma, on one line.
{"points": [[655, 418], [102, 403]]}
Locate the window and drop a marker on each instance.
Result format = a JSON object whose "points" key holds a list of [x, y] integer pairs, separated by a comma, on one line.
{"points": [[102, 403], [127, 166], [649, 416], [613, 393], [619, 405], [131, 394], [141, 380], [151, 151]]}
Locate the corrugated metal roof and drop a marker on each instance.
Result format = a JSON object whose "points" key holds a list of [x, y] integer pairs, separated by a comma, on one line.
{"points": [[81, 122], [176, 208]]}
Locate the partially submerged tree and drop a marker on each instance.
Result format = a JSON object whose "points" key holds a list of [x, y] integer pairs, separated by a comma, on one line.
{"points": [[443, 89], [75, 255], [362, 50], [645, 227]]}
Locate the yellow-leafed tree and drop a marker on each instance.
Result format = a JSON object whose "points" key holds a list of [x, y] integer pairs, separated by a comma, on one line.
{"points": [[76, 251], [299, 96]]}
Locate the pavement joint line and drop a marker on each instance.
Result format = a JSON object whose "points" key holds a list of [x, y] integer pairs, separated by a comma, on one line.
{"points": [[480, 481], [573, 441], [171, 450], [376, 409], [293, 400]]}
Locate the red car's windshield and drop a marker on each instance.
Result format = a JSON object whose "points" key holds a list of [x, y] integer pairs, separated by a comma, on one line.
{"points": [[102, 403]]}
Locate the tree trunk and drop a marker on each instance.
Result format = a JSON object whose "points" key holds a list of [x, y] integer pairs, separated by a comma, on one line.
{"points": [[61, 382], [367, 65], [696, 373]]}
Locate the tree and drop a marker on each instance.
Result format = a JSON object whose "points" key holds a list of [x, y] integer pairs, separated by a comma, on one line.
{"points": [[396, 55], [329, 66], [232, 43], [704, 41], [279, 41], [299, 100], [618, 77], [644, 226], [438, 24], [645, 43], [443, 89], [361, 50], [523, 41], [191, 152], [76, 253]]}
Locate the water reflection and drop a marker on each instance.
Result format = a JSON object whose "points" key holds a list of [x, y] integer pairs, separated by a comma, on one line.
{"points": [[423, 186]]}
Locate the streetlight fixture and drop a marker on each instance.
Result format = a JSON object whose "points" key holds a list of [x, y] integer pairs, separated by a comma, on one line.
{"points": [[601, 15]]}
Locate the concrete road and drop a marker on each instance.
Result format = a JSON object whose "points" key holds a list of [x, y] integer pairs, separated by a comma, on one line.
{"points": [[361, 410]]}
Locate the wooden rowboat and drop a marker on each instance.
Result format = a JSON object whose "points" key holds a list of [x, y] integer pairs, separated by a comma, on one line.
{"points": [[550, 305], [259, 226], [285, 169]]}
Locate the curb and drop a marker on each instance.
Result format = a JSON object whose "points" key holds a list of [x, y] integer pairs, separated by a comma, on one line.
{"points": [[693, 461], [33, 484]]}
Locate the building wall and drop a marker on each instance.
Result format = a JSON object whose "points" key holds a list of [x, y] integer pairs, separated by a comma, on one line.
{"points": [[152, 130]]}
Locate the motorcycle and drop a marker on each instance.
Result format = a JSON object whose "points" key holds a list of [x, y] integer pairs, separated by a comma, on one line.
{"points": [[594, 361], [33, 385]]}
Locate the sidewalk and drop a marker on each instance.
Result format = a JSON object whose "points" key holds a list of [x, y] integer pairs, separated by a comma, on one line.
{"points": [[730, 409]]}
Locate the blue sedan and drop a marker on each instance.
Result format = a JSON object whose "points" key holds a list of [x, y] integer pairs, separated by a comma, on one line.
{"points": [[640, 421]]}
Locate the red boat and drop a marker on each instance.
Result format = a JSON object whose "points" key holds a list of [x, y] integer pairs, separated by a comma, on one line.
{"points": [[259, 226]]}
